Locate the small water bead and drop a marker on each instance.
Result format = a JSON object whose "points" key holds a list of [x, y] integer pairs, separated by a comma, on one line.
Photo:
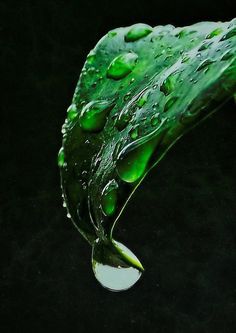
{"points": [[229, 54], [205, 46], [229, 34], [127, 96], [122, 65], [134, 132], [61, 157], [214, 33], [205, 63], [64, 127], [138, 31], [72, 112], [109, 198], [143, 99], [91, 57], [170, 103], [123, 120], [91, 70], [112, 33], [168, 84], [84, 174], [155, 120], [181, 33], [185, 58], [94, 114]]}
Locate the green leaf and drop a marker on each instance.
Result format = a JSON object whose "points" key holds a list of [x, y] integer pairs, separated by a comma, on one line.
{"points": [[139, 91]]}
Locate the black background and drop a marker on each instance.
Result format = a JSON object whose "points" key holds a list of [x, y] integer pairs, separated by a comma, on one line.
{"points": [[181, 222]]}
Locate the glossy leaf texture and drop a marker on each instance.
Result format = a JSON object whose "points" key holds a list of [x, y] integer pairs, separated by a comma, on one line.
{"points": [[140, 90]]}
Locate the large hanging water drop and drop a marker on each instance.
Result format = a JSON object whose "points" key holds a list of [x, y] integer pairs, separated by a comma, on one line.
{"points": [[115, 266]]}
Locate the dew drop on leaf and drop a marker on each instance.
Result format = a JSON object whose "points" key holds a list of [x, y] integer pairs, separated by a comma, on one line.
{"points": [[134, 132], [61, 157], [230, 34], [138, 31], [170, 103], [204, 64], [214, 33], [109, 198], [93, 115], [72, 112], [122, 65], [168, 84]]}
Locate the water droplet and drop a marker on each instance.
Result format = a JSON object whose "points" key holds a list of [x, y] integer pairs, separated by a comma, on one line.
{"points": [[112, 33], [229, 34], [227, 55], [61, 157], [155, 120], [111, 269], [214, 33], [138, 31], [109, 198], [205, 46], [64, 127], [72, 112], [185, 58], [168, 84], [91, 58], [134, 132], [170, 103], [127, 96], [123, 120], [122, 65], [181, 33], [94, 114], [143, 99], [133, 159], [64, 204], [68, 215], [205, 63]]}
